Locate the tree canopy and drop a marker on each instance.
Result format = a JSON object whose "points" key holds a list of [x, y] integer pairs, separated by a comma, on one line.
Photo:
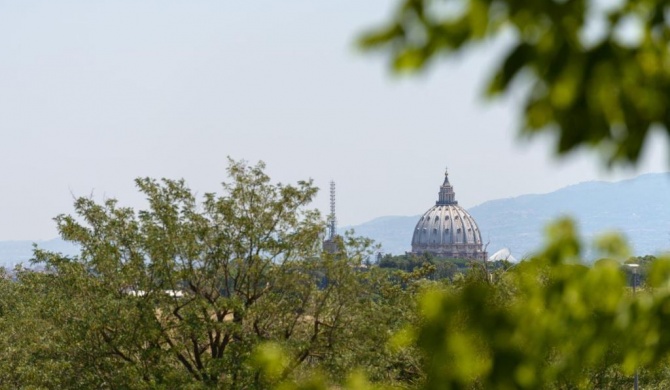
{"points": [[183, 293], [596, 74], [231, 290]]}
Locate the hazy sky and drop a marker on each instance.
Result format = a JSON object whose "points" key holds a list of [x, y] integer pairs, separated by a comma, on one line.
{"points": [[96, 93]]}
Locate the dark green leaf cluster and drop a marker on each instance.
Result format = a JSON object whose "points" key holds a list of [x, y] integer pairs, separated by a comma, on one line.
{"points": [[547, 323], [184, 293], [234, 292], [596, 74]]}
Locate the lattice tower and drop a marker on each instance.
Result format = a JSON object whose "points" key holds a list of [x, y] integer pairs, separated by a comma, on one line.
{"points": [[332, 221]]}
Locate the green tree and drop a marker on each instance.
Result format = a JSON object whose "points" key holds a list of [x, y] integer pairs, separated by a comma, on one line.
{"points": [[548, 323], [595, 73], [181, 294], [26, 337]]}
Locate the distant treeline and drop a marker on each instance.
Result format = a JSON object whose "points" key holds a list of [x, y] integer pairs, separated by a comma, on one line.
{"points": [[440, 267]]}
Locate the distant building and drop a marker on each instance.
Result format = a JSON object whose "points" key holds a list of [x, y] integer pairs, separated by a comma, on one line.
{"points": [[503, 254], [447, 229]]}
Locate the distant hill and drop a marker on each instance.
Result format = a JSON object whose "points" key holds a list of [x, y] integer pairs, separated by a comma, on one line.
{"points": [[639, 208], [394, 233]]}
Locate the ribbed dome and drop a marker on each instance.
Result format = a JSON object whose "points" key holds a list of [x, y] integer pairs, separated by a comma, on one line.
{"points": [[447, 230]]}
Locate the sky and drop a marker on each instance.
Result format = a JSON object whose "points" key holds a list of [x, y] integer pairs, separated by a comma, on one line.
{"points": [[96, 93]]}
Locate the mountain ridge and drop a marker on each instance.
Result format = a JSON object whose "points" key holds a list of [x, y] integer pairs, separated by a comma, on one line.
{"points": [[637, 207]]}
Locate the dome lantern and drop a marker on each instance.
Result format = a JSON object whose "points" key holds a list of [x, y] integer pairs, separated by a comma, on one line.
{"points": [[446, 195]]}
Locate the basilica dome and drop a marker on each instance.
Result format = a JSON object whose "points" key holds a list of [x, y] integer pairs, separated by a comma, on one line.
{"points": [[447, 229]]}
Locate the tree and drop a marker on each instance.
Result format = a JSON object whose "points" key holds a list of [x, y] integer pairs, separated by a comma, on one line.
{"points": [[596, 74], [547, 323], [550, 322], [233, 293], [183, 293]]}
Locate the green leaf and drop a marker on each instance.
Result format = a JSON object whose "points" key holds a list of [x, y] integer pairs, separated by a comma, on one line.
{"points": [[515, 61]]}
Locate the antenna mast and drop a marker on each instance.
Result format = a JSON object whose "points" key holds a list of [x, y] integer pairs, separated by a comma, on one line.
{"points": [[332, 221]]}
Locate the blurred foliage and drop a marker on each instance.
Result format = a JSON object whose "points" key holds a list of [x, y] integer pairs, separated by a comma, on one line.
{"points": [[234, 293], [547, 323], [596, 74]]}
